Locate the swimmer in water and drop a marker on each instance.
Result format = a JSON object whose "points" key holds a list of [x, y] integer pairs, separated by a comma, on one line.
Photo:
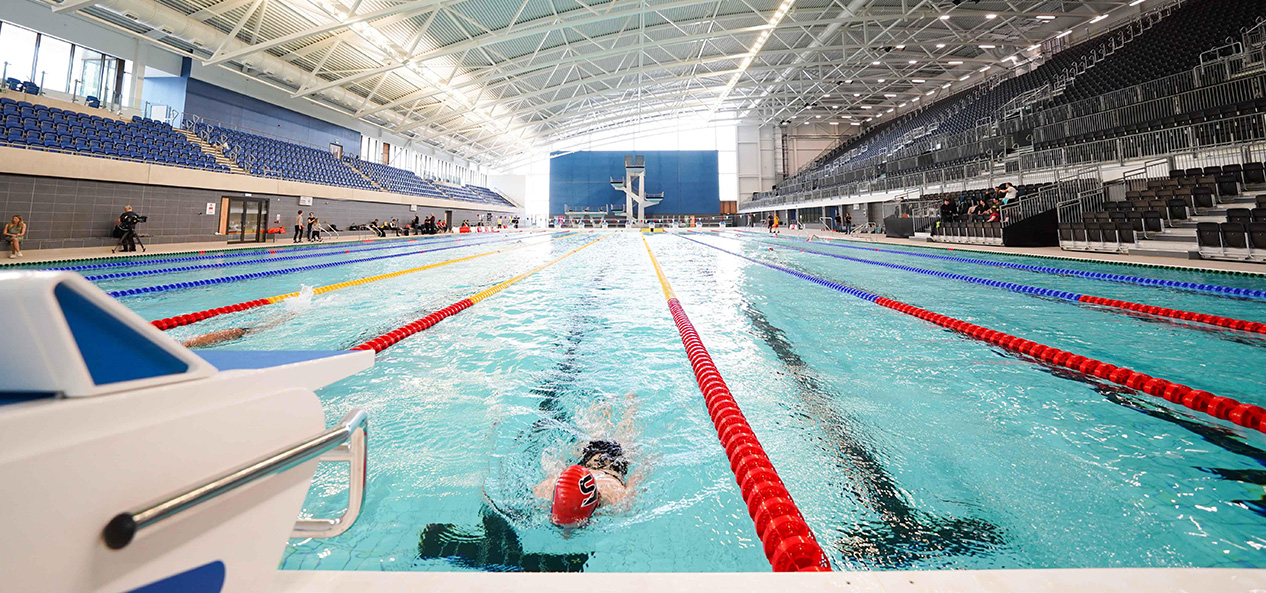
{"points": [[601, 477], [236, 333]]}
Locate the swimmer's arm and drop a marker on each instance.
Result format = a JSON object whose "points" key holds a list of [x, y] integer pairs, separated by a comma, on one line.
{"points": [[613, 493], [214, 338], [545, 489]]}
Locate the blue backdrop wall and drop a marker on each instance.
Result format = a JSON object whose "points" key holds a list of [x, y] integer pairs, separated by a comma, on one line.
{"points": [[688, 179], [252, 115]]}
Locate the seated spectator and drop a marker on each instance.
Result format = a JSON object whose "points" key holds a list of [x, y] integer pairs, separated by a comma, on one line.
{"points": [[993, 215], [14, 233], [1010, 193], [947, 211]]}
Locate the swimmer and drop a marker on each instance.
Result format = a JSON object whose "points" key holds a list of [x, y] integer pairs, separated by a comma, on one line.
{"points": [[236, 333], [601, 477]]}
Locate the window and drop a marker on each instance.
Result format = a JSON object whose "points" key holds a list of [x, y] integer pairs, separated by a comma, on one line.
{"points": [[88, 65], [52, 66], [17, 51]]}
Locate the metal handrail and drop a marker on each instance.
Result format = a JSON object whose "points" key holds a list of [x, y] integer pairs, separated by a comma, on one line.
{"points": [[344, 442]]}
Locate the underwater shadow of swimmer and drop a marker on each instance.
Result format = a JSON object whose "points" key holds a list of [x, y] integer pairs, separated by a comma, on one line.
{"points": [[902, 534], [494, 547]]}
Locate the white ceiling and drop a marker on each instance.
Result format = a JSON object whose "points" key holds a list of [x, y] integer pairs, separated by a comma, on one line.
{"points": [[495, 80]]}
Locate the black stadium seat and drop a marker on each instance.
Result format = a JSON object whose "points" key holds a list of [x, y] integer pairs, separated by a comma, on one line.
{"points": [[1234, 235], [1208, 235], [1254, 173], [1257, 235], [1240, 215]]}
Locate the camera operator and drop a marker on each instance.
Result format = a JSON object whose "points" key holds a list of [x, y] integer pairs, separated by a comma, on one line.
{"points": [[126, 228]]}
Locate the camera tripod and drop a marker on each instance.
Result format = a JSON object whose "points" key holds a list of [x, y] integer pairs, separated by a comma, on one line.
{"points": [[129, 234]]}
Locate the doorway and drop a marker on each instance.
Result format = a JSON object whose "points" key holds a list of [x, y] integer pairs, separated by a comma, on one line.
{"points": [[244, 220], [448, 219]]}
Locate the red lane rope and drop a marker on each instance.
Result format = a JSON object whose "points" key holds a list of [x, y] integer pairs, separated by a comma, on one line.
{"points": [[392, 337], [788, 542], [1218, 320], [1246, 415]]}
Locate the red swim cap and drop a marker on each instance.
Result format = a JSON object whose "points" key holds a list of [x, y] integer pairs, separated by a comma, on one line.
{"points": [[575, 496]]}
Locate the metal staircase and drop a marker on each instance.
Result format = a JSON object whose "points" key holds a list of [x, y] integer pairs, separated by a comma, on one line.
{"points": [[212, 150]]}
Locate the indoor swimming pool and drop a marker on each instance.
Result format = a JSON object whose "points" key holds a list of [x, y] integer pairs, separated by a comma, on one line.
{"points": [[905, 444]]}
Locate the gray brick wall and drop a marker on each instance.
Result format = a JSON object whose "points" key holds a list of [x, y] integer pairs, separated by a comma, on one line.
{"points": [[81, 213]]}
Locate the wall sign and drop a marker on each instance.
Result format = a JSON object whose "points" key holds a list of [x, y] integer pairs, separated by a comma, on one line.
{"points": [[210, 208], [305, 200]]}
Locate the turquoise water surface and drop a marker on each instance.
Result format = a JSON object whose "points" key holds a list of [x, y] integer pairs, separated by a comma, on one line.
{"points": [[905, 445]]}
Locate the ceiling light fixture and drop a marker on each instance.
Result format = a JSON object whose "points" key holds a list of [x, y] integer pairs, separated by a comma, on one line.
{"points": [[914, 61], [882, 79], [901, 47], [991, 16], [945, 17], [889, 95], [988, 46], [1064, 34], [753, 52], [1045, 17], [875, 63], [1136, 2], [1033, 48], [940, 46], [955, 62], [1099, 18], [918, 81]]}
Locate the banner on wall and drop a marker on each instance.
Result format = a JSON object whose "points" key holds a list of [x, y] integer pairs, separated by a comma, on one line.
{"points": [[305, 200]]}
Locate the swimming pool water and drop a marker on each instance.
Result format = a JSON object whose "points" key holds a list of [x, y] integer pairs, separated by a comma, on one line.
{"points": [[907, 446]]}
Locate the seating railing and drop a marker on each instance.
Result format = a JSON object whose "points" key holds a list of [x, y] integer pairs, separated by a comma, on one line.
{"points": [[1193, 101]]}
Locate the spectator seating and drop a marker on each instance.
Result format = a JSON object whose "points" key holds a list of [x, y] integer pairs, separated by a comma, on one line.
{"points": [[406, 182], [277, 159], [1172, 46], [28, 125]]}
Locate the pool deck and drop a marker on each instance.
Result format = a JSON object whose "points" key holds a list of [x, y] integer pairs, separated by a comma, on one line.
{"points": [[34, 256], [1100, 580], [1045, 252]]}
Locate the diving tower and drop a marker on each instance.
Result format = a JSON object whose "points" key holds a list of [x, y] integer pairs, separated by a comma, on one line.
{"points": [[634, 187]]}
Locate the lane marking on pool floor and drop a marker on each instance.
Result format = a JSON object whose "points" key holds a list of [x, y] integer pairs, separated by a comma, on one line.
{"points": [[281, 271], [390, 338], [190, 318], [1140, 280], [1215, 320], [260, 260], [1225, 408], [788, 542]]}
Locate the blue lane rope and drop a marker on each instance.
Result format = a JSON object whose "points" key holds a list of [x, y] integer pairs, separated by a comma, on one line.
{"points": [[1021, 288], [244, 262], [1194, 286], [270, 273], [251, 252], [857, 292]]}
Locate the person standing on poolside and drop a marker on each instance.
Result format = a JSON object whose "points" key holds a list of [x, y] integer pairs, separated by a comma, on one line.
{"points": [[298, 227]]}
